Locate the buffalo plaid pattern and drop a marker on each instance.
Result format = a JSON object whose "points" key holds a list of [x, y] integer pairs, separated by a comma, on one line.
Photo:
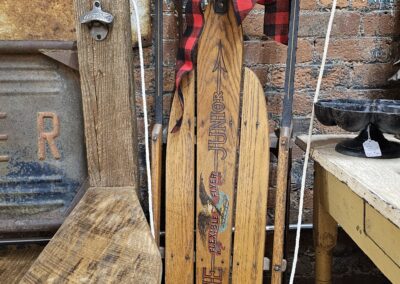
{"points": [[276, 21], [184, 62], [276, 26]]}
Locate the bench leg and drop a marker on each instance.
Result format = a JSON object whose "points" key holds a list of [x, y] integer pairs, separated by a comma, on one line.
{"points": [[325, 230]]}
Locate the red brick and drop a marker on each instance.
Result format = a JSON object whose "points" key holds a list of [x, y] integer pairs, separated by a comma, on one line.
{"points": [[169, 78], [356, 49], [381, 24], [340, 3], [167, 100], [372, 75], [262, 73], [302, 103], [148, 78], [308, 4], [169, 52], [170, 26], [275, 102], [139, 102], [264, 52], [304, 51], [322, 129], [272, 52], [359, 3], [168, 6], [253, 25], [306, 77], [147, 56], [315, 24], [360, 94]]}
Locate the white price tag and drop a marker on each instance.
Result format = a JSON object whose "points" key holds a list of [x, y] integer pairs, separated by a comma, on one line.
{"points": [[372, 149]]}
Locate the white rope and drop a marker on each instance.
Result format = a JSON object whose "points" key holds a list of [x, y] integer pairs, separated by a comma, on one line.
{"points": [[310, 130], [146, 123]]}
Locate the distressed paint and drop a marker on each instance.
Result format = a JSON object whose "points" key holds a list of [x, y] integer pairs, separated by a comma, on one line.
{"points": [[54, 20], [42, 117]]}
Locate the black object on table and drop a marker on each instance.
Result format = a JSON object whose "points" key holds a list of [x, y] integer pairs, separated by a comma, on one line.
{"points": [[371, 118]]}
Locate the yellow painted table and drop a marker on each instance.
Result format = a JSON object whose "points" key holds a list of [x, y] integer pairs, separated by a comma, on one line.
{"points": [[363, 196]]}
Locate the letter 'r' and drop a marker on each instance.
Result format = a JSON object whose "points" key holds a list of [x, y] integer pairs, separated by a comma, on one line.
{"points": [[49, 136]]}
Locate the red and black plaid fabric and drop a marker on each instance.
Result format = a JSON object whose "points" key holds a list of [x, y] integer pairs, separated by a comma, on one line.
{"points": [[276, 26], [276, 20], [184, 61]]}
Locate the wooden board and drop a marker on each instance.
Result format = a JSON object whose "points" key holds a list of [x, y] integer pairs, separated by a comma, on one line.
{"points": [[156, 177], [375, 180], [54, 20], [252, 188], [106, 69], [384, 233], [179, 238], [219, 66], [104, 240], [15, 260]]}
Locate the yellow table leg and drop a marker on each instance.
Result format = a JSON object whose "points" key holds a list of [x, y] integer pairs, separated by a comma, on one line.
{"points": [[325, 230]]}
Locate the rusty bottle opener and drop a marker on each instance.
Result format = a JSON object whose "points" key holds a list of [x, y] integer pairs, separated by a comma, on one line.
{"points": [[98, 21]]}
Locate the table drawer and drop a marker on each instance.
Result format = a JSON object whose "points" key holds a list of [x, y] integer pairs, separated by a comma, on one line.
{"points": [[383, 233]]}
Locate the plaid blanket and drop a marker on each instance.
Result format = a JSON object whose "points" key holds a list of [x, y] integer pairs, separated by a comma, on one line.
{"points": [[276, 26]]}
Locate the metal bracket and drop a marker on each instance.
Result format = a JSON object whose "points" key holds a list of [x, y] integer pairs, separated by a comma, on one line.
{"points": [[281, 268], [98, 21], [220, 6]]}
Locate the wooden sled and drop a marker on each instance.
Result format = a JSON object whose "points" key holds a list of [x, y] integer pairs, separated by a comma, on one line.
{"points": [[217, 165], [106, 238]]}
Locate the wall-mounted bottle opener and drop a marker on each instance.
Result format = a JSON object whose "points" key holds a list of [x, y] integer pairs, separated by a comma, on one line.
{"points": [[98, 21]]}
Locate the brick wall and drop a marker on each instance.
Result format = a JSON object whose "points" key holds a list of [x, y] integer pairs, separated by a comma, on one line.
{"points": [[364, 44]]}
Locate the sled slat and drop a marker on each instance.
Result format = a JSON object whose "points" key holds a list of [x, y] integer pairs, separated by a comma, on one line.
{"points": [[218, 100], [252, 188], [179, 254]]}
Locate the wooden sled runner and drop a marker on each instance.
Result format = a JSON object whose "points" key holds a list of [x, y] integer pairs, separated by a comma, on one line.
{"points": [[106, 238], [217, 165]]}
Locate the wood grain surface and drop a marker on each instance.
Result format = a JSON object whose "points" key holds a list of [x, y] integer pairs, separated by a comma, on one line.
{"points": [[156, 176], [15, 260], [106, 69], [180, 193], [54, 20], [252, 187], [280, 209], [104, 240], [219, 67]]}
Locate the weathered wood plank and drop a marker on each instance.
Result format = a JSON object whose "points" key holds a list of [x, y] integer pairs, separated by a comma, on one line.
{"points": [[15, 260], [252, 188], [106, 69], [219, 67], [156, 177], [54, 20], [384, 233], [104, 240], [179, 248]]}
